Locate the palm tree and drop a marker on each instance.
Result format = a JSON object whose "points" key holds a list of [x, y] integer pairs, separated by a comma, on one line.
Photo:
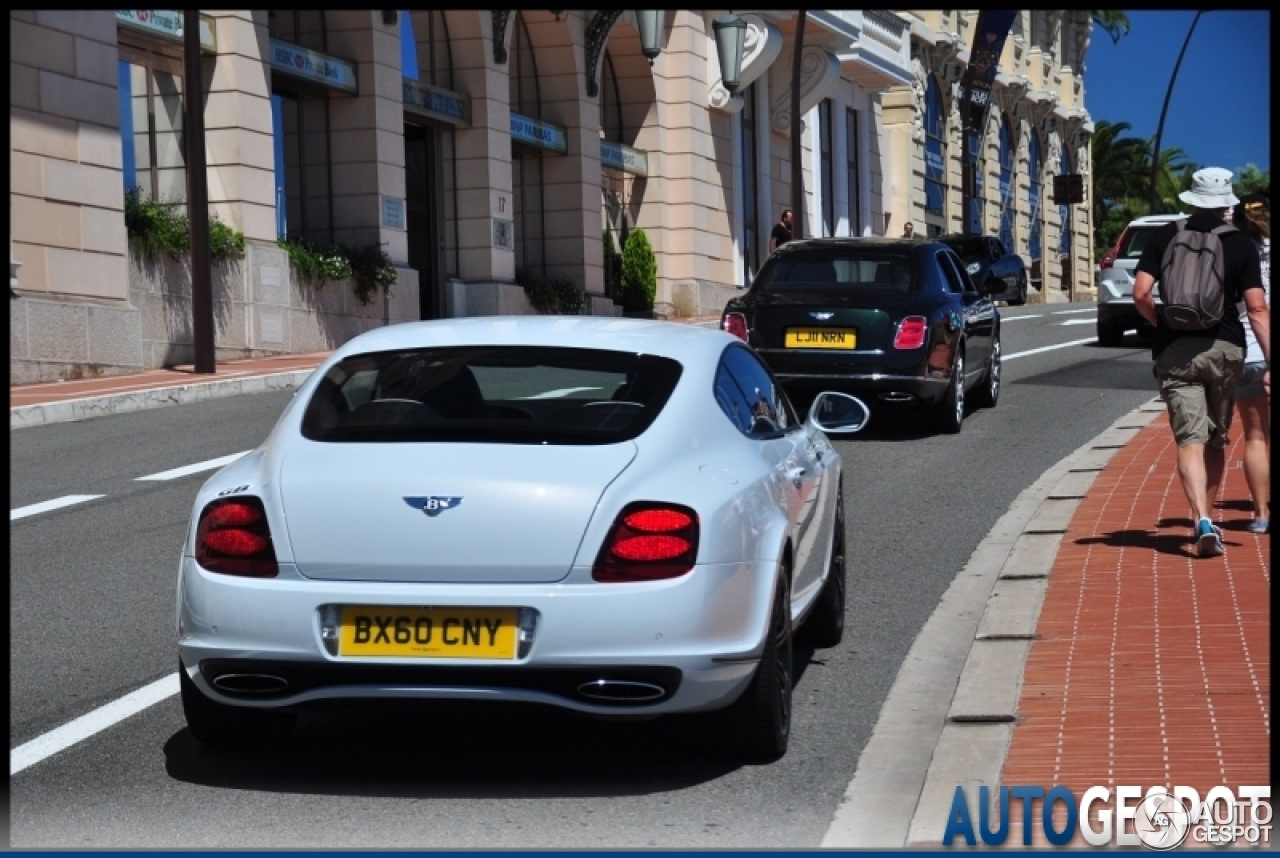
{"points": [[1173, 176], [1113, 22], [1121, 166], [1251, 180]]}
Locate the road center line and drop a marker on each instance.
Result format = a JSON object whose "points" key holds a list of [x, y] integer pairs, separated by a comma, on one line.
{"points": [[49, 505], [194, 469], [1020, 318], [1076, 322], [74, 732], [1050, 348], [1073, 312]]}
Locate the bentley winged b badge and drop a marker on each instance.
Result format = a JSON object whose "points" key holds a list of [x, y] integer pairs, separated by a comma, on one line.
{"points": [[434, 505]]}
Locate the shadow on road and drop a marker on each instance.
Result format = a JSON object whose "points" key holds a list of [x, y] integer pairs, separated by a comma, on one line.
{"points": [[464, 749]]}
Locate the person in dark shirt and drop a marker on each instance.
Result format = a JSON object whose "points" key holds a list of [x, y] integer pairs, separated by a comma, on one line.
{"points": [[781, 231], [1197, 371]]}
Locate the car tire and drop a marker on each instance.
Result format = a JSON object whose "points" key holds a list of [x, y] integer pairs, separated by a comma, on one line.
{"points": [[221, 726], [824, 627], [759, 722], [988, 393], [1110, 334], [1022, 292], [949, 413]]}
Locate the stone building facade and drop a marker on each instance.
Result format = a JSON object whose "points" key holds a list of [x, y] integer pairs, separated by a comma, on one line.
{"points": [[475, 146]]}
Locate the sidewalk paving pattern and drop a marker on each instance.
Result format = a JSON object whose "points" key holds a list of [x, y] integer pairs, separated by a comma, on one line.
{"points": [[1147, 665]]}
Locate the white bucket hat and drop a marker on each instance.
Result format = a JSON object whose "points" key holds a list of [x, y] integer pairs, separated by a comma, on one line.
{"points": [[1210, 189]]}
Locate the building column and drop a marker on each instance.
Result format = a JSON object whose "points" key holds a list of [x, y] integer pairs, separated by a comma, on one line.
{"points": [[366, 132], [71, 313], [486, 259], [238, 131]]}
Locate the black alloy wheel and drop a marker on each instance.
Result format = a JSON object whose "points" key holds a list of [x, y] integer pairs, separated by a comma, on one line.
{"points": [[988, 393], [825, 626], [221, 726], [759, 722], [949, 415]]}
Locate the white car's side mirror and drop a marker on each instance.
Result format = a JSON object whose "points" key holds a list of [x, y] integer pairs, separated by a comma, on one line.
{"points": [[838, 413]]}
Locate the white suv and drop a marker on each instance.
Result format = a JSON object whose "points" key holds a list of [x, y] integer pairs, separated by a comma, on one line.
{"points": [[1116, 313]]}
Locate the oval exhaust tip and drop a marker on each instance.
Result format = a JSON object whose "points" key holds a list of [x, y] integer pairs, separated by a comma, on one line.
{"points": [[250, 683], [621, 691]]}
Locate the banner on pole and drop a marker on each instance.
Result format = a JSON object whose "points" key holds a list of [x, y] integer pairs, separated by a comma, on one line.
{"points": [[984, 60]]}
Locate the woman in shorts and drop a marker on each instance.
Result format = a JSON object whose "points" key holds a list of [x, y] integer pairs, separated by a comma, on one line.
{"points": [[1253, 217]]}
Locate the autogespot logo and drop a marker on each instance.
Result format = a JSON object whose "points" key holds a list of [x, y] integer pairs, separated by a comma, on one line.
{"points": [[1159, 819], [1162, 821]]}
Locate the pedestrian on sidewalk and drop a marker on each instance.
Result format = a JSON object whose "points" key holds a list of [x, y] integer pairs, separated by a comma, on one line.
{"points": [[1197, 370], [1253, 218], [781, 231]]}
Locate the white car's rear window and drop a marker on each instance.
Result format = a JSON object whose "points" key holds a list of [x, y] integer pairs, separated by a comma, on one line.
{"points": [[493, 394]]}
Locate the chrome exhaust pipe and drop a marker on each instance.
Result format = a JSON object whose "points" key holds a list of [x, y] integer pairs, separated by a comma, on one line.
{"points": [[621, 691], [250, 683]]}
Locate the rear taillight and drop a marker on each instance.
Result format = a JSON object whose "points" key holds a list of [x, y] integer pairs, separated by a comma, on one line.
{"points": [[911, 332], [736, 324], [648, 542], [233, 538], [1109, 258]]}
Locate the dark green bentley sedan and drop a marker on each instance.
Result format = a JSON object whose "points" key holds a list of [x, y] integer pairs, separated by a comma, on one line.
{"points": [[896, 322]]}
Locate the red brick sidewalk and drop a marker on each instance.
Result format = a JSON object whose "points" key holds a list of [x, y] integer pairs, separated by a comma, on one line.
{"points": [[1152, 666]]}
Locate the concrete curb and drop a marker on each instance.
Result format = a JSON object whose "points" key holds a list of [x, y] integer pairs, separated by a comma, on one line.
{"points": [[949, 716], [160, 397]]}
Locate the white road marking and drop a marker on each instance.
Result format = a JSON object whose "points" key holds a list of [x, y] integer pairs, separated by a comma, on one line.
{"points": [[194, 469], [43, 747], [1020, 318], [49, 505], [1050, 348], [1074, 312], [1077, 322]]}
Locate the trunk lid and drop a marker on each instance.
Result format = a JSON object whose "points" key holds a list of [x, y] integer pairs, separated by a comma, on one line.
{"points": [[871, 314], [503, 513]]}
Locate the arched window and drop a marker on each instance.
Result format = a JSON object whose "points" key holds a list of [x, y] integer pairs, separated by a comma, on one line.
{"points": [[526, 162], [1006, 184], [1033, 195], [975, 205], [935, 161], [1064, 212]]}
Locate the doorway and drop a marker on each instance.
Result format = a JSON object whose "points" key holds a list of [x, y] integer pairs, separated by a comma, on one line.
{"points": [[424, 214]]}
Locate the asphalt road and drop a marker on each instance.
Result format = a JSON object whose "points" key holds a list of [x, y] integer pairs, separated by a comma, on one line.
{"points": [[92, 619]]}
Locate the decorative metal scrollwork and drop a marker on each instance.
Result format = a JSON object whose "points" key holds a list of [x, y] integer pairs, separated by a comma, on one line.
{"points": [[597, 35], [500, 20]]}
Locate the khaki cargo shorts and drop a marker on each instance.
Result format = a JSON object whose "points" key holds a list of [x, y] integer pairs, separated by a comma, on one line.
{"points": [[1198, 386]]}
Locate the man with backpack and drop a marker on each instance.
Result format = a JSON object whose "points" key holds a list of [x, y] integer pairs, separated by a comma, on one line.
{"points": [[1204, 267]]}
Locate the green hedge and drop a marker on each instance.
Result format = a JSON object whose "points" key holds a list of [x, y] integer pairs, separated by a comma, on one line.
{"points": [[639, 273]]}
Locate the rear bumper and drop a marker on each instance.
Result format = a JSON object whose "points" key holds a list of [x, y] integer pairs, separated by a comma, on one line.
{"points": [[879, 387], [685, 645]]}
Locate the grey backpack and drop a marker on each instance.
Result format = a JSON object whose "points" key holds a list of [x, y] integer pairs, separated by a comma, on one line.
{"points": [[1192, 276]]}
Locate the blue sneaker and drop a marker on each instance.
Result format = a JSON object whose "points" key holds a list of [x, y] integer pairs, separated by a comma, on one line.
{"points": [[1260, 525], [1209, 539]]}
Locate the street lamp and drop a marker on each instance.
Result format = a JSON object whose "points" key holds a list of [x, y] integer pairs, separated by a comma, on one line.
{"points": [[650, 33], [1155, 155], [731, 35]]}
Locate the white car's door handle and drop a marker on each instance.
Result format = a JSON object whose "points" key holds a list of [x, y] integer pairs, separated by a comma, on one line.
{"points": [[795, 473]]}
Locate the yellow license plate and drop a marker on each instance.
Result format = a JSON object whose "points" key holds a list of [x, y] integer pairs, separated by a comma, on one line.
{"points": [[821, 338], [428, 632]]}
